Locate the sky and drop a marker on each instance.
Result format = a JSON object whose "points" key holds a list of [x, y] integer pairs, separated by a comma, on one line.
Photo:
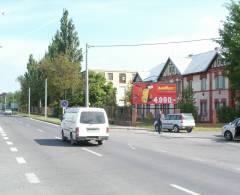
{"points": [[27, 27]]}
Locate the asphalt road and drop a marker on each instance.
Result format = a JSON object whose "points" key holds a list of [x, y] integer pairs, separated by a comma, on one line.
{"points": [[34, 160]]}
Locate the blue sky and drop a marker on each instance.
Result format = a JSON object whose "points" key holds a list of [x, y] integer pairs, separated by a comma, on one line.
{"points": [[28, 27]]}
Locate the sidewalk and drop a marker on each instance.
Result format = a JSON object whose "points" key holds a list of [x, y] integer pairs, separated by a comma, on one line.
{"points": [[129, 128]]}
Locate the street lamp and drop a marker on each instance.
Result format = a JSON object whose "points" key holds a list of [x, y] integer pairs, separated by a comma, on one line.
{"points": [[86, 79]]}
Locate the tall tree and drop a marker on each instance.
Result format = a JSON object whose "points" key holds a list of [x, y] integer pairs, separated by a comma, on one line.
{"points": [[230, 44], [33, 78], [65, 41]]}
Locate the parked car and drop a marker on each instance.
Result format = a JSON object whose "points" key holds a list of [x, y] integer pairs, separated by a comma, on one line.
{"points": [[85, 124], [177, 122], [8, 112], [231, 131]]}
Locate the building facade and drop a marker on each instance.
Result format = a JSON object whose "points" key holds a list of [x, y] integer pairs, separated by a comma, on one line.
{"points": [[121, 80]]}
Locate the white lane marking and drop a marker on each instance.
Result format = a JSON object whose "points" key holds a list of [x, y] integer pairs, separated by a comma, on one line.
{"points": [[40, 130], [32, 178], [9, 143], [6, 138], [20, 160], [58, 137], [45, 122], [164, 151], [198, 159], [13, 149], [132, 147], [95, 153], [4, 134], [184, 189]]}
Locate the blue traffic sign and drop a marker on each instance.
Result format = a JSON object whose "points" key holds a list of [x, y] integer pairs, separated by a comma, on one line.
{"points": [[64, 103]]}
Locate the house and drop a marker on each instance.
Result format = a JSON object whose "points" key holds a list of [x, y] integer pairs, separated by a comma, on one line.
{"points": [[121, 79], [204, 73]]}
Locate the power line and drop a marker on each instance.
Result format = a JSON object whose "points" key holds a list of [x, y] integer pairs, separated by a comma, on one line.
{"points": [[152, 44]]}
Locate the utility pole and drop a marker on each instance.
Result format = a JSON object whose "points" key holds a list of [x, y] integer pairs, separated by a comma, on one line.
{"points": [[29, 100], [45, 111], [5, 101], [86, 79]]}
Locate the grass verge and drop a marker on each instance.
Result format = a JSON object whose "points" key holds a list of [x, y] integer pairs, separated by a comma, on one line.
{"points": [[199, 127], [42, 118]]}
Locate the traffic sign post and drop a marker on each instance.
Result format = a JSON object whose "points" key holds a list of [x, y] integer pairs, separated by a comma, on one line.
{"points": [[64, 104]]}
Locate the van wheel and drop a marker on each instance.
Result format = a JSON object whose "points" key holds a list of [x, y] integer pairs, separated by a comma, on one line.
{"points": [[63, 137], [175, 129], [228, 136], [72, 142], [189, 130], [100, 142]]}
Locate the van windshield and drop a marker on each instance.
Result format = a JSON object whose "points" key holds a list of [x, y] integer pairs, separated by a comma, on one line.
{"points": [[92, 117]]}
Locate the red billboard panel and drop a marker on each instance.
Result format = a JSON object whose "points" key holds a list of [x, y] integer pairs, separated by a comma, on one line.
{"points": [[155, 93]]}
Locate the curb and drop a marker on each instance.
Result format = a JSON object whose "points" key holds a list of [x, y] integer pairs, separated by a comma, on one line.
{"points": [[128, 128]]}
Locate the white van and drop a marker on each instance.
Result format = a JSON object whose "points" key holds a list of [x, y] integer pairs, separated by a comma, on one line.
{"points": [[85, 124]]}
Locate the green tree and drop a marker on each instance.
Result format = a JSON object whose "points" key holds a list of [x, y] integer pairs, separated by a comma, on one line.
{"points": [[33, 78], [66, 41], [230, 44], [101, 92], [187, 102], [63, 77]]}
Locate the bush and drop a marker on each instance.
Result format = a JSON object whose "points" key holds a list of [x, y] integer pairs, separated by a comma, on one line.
{"points": [[188, 108], [226, 114]]}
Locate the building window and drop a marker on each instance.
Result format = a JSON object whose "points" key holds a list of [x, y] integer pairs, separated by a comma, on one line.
{"points": [[172, 69], [133, 75], [110, 76], [203, 84], [189, 84], [224, 103], [217, 104], [122, 78], [219, 82], [179, 87], [203, 108]]}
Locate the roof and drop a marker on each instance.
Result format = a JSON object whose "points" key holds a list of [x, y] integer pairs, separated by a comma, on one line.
{"points": [[200, 62], [154, 73], [142, 75], [181, 63]]}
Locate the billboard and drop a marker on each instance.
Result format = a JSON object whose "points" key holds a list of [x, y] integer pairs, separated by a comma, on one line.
{"points": [[154, 93]]}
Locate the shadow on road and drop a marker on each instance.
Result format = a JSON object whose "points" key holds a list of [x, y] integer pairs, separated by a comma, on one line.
{"points": [[60, 143]]}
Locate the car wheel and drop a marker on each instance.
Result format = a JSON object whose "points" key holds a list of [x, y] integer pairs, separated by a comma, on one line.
{"points": [[72, 142], [175, 129], [63, 136], [228, 135], [189, 130], [100, 142]]}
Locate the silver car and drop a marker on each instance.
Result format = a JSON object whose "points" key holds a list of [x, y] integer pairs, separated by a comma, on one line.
{"points": [[231, 131], [177, 122]]}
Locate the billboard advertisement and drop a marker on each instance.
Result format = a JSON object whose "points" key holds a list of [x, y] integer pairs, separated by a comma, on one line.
{"points": [[155, 93]]}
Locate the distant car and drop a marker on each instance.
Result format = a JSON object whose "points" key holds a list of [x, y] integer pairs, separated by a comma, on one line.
{"points": [[8, 112], [231, 131], [177, 122]]}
